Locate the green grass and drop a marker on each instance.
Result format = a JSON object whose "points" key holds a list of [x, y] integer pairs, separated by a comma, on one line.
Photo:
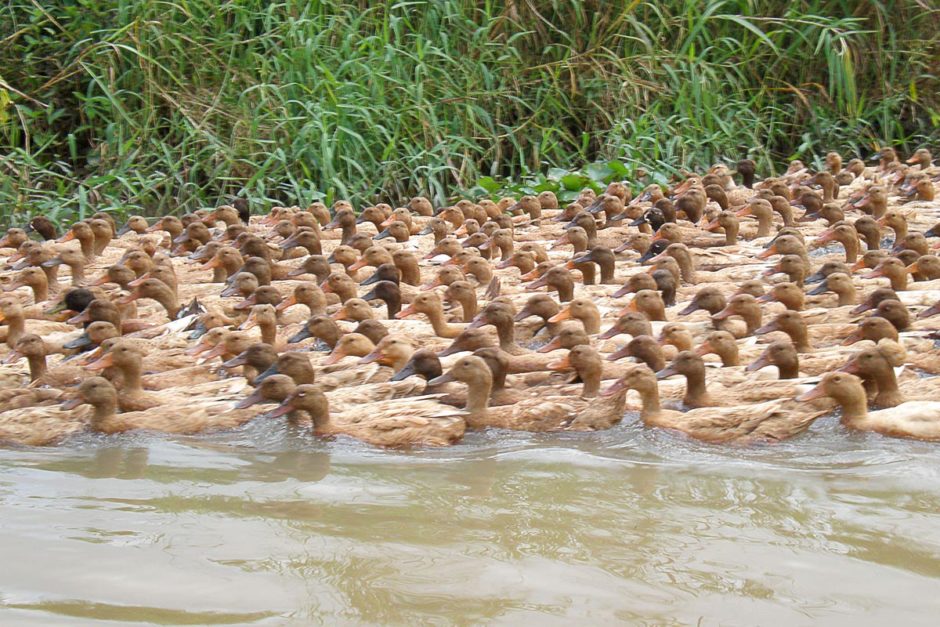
{"points": [[167, 106]]}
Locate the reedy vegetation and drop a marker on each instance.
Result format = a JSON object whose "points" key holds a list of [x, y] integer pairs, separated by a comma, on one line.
{"points": [[157, 106]]}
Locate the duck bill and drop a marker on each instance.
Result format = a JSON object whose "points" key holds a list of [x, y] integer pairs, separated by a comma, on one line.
{"points": [[105, 361], [863, 202], [666, 372], [82, 341], [407, 311], [334, 357], [127, 299], [815, 277], [447, 377], [234, 362], [727, 312], [252, 399], [561, 316], [285, 304], [382, 235], [371, 280], [404, 373], [216, 351], [522, 315], [198, 349], [560, 365], [81, 318], [267, 373], [615, 388], [930, 311], [761, 362], [649, 254], [816, 393], [767, 328], [704, 349], [68, 237], [136, 282], [480, 320], [51, 263], [620, 353], [631, 307], [542, 281], [248, 303], [502, 265], [430, 286], [561, 241], [296, 272], [609, 333], [360, 263], [375, 356], [100, 281], [300, 336], [822, 288], [874, 274], [212, 264], [825, 237], [769, 252], [249, 323], [341, 313], [623, 291], [693, 307], [850, 367], [766, 298], [554, 345], [72, 403], [744, 211]]}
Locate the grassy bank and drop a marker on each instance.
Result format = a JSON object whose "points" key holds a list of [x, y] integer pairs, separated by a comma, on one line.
{"points": [[156, 106]]}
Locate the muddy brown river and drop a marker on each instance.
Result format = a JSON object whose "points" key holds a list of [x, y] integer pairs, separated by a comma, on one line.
{"points": [[269, 526]]}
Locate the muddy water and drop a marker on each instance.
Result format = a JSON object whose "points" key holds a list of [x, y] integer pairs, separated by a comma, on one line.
{"points": [[268, 526]]}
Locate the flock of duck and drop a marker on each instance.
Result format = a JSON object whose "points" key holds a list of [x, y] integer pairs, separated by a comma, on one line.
{"points": [[735, 310]]}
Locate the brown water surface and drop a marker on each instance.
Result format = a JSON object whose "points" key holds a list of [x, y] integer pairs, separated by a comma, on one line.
{"points": [[270, 526]]}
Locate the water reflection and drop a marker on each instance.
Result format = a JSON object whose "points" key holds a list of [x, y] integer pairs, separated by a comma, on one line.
{"points": [[268, 525]]}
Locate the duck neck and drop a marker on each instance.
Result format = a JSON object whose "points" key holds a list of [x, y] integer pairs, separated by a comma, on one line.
{"points": [[851, 249], [846, 296], [169, 302], [565, 291], [591, 322], [728, 354], [103, 412], [506, 332], [888, 393], [88, 247], [695, 391], [268, 332], [506, 250], [330, 336], [649, 396], [410, 274], [854, 409], [607, 270], [478, 395], [764, 222], [788, 368], [438, 323], [898, 281], [468, 305], [16, 327], [219, 274], [591, 377], [40, 291], [131, 377], [78, 274], [52, 277], [587, 272], [37, 366]]}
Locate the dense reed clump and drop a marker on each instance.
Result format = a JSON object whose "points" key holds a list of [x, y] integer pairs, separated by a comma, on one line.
{"points": [[148, 106]]}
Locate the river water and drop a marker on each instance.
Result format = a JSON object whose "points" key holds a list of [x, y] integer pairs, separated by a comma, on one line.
{"points": [[267, 525]]}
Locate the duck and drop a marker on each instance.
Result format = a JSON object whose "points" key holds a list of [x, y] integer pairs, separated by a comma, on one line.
{"points": [[841, 285], [768, 421], [645, 349], [914, 419], [32, 347], [547, 413], [722, 344], [41, 425], [198, 417], [395, 424], [431, 305], [583, 310]]}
